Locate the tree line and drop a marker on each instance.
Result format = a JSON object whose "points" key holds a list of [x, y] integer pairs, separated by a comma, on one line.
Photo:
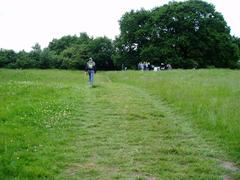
{"points": [[68, 52], [189, 34]]}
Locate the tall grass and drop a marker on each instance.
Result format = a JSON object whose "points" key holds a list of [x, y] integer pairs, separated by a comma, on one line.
{"points": [[35, 121], [209, 98]]}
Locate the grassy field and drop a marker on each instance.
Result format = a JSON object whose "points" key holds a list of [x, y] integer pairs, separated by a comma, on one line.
{"points": [[130, 125], [210, 98]]}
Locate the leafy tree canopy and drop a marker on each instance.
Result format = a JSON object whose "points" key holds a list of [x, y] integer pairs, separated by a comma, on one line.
{"points": [[186, 34]]}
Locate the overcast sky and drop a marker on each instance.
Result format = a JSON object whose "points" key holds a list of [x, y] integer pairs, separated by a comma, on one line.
{"points": [[26, 22]]}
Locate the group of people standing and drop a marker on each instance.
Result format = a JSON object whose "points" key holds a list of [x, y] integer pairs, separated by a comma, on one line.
{"points": [[145, 66]]}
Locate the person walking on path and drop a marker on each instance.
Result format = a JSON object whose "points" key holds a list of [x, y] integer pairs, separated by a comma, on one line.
{"points": [[91, 70]]}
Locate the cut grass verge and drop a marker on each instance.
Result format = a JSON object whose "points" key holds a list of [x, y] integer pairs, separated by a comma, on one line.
{"points": [[55, 126]]}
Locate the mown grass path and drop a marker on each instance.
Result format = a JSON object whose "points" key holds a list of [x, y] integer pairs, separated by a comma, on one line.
{"points": [[125, 133], [53, 126]]}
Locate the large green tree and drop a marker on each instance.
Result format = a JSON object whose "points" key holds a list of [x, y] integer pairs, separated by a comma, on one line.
{"points": [[101, 50], [135, 35], [73, 51], [59, 45], [186, 34], [35, 56], [23, 60]]}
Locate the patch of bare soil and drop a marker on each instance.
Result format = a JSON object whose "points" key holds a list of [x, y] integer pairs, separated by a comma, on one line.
{"points": [[229, 165]]}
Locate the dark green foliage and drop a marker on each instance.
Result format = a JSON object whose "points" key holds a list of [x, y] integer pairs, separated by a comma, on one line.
{"points": [[68, 52], [23, 60], [8, 58], [186, 34], [48, 59], [134, 36], [59, 45], [35, 56], [236, 41], [72, 52], [101, 50]]}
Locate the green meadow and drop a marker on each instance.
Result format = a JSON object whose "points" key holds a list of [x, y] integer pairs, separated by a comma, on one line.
{"points": [[179, 124]]}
